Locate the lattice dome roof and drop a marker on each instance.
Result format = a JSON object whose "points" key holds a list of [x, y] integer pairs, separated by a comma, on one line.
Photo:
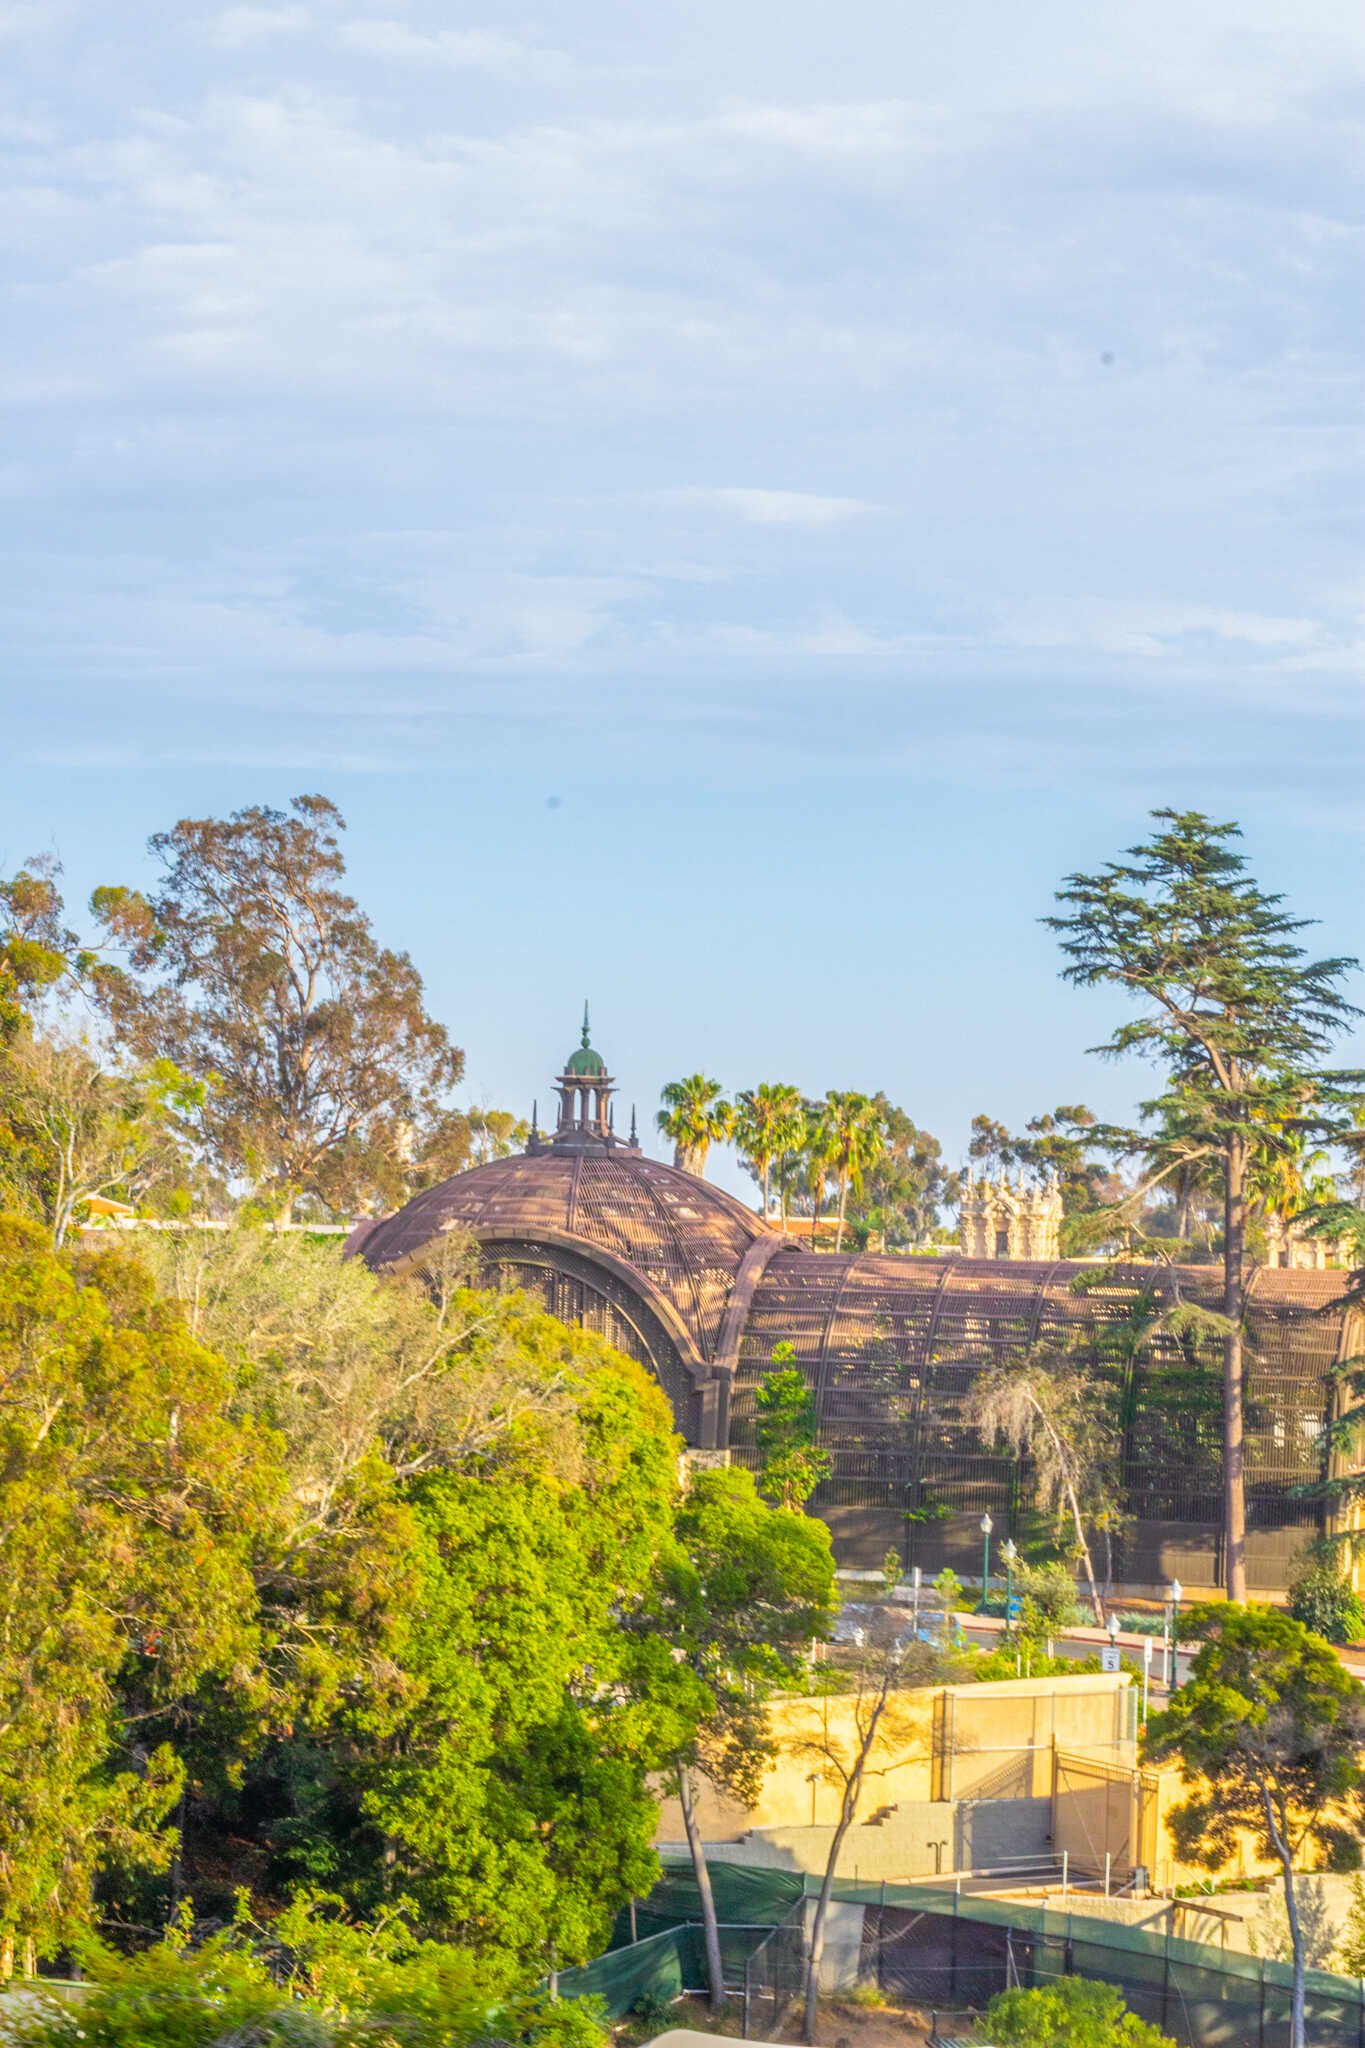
{"points": [[685, 1236]]}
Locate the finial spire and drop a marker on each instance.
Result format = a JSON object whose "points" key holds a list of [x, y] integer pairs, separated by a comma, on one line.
{"points": [[535, 1117], [634, 1134], [585, 1020]]}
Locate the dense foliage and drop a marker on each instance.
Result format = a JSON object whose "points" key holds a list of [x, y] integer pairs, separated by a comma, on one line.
{"points": [[320, 1580], [1072, 2012]]}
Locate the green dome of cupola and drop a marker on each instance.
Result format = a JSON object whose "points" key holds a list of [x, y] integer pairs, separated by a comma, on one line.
{"points": [[585, 1062]]}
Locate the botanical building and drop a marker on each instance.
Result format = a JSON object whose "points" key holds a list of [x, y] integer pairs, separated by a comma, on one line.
{"points": [[697, 1287]]}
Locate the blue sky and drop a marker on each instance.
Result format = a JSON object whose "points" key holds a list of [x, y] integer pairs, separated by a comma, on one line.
{"points": [[734, 501]]}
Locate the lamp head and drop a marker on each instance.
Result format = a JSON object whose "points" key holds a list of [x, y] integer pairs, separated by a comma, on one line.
{"points": [[1009, 1550], [986, 1524], [1177, 1592]]}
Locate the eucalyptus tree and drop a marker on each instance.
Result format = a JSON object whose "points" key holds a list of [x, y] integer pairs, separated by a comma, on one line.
{"points": [[695, 1116], [1239, 1017], [768, 1122], [252, 971]]}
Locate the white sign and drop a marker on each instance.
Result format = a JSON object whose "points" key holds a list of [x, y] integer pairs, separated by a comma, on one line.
{"points": [[1109, 1657]]}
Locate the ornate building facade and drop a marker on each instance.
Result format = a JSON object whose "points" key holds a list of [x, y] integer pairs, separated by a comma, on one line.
{"points": [[1001, 1220], [699, 1289]]}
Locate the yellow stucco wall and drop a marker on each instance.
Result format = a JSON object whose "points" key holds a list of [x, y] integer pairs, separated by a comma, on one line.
{"points": [[941, 1742]]}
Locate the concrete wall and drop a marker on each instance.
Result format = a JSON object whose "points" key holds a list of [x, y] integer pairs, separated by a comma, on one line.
{"points": [[922, 1838]]}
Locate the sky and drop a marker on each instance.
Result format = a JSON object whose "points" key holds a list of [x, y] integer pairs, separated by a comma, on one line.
{"points": [[734, 501]]}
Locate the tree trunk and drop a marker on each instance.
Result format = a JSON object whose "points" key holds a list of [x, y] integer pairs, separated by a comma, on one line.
{"points": [[815, 1955], [766, 1204], [817, 1197], [848, 1806], [1291, 1907], [1184, 1204], [1234, 1305], [701, 1870], [843, 1204]]}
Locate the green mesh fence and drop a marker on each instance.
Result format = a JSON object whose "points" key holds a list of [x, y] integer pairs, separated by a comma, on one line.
{"points": [[940, 1950], [652, 1972]]}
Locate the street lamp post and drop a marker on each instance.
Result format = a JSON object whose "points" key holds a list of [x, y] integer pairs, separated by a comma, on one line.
{"points": [[986, 1526], [1009, 1550]]}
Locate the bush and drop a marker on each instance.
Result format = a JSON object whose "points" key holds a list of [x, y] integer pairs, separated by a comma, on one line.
{"points": [[1052, 1590], [224, 1995], [1321, 1599], [1070, 2013]]}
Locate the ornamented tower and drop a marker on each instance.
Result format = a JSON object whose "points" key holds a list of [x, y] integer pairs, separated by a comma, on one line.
{"points": [[998, 1221], [586, 1115]]}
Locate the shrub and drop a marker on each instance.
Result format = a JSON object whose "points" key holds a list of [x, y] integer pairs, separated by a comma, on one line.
{"points": [[1321, 1599], [1070, 2013]]}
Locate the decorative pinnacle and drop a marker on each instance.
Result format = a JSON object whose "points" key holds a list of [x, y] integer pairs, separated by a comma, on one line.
{"points": [[585, 1020], [634, 1134], [535, 1118]]}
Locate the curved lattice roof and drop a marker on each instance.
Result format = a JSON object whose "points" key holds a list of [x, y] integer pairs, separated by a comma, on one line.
{"points": [[891, 1346], [686, 1237]]}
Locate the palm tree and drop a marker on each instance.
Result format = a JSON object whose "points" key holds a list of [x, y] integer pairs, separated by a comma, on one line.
{"points": [[856, 1137], [817, 1155], [769, 1120], [696, 1117]]}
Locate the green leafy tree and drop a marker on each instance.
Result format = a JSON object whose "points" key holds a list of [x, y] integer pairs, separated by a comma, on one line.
{"points": [[495, 1134], [1239, 1017], [470, 1488], [1350, 1955], [1070, 2013], [768, 1122], [695, 1116], [303, 1981], [500, 1782], [131, 1504], [254, 973], [904, 1188], [1045, 1409], [77, 1128], [1269, 1731], [743, 1591], [1324, 1601], [1069, 1141], [786, 1427]]}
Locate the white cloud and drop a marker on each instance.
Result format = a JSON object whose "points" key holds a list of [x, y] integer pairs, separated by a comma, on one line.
{"points": [[456, 49], [780, 508], [244, 28]]}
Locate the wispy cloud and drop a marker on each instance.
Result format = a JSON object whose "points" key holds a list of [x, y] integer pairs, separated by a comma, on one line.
{"points": [[779, 508], [913, 370], [472, 49], [245, 28]]}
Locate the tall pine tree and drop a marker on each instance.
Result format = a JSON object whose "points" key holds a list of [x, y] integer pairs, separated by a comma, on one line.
{"points": [[1240, 1018]]}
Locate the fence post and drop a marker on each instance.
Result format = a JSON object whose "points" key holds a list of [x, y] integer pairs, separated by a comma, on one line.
{"points": [[1166, 1978], [881, 1941], [952, 1952], [1066, 1871], [1260, 2021], [748, 1978], [1108, 1860]]}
